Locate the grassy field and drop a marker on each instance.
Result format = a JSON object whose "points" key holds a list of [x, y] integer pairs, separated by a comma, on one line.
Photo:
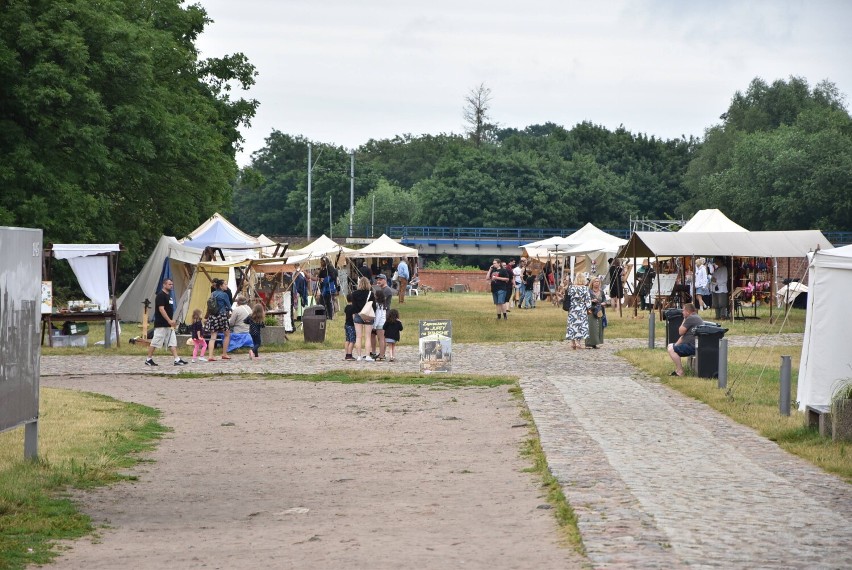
{"points": [[752, 399], [473, 318], [84, 441]]}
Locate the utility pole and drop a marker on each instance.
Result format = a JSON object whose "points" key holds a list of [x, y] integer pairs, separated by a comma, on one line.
{"points": [[352, 192], [329, 217], [310, 169], [373, 216]]}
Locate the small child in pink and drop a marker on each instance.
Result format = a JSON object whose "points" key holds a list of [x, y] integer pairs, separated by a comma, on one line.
{"points": [[198, 336]]}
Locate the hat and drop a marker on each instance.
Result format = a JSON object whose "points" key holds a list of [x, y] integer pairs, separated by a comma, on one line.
{"points": [[382, 276]]}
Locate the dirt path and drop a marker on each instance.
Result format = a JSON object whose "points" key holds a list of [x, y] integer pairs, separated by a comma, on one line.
{"points": [[283, 474]]}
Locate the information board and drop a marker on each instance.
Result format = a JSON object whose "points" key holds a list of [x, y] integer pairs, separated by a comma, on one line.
{"points": [[436, 346], [20, 317]]}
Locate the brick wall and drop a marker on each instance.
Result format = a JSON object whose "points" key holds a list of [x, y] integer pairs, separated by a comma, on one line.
{"points": [[798, 269], [442, 280]]}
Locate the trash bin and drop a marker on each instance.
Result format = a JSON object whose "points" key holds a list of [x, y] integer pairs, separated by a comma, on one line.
{"points": [[313, 323], [707, 352], [674, 318]]}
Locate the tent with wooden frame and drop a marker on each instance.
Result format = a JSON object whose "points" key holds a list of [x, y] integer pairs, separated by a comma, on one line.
{"points": [[218, 231], [768, 244]]}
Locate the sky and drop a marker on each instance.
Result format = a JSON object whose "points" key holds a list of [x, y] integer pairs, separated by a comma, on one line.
{"points": [[343, 72]]}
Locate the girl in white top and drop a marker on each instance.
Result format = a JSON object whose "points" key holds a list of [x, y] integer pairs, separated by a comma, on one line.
{"points": [[702, 282]]}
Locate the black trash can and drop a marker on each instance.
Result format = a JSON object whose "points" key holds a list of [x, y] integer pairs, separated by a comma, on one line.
{"points": [[707, 352], [313, 323], [674, 318]]}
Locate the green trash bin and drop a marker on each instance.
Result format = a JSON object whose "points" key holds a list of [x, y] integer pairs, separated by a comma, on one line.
{"points": [[313, 323]]}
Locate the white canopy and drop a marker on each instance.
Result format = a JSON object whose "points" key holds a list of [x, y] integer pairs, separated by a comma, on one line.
{"points": [[711, 220], [218, 231], [739, 244], [544, 248], [826, 359], [90, 267], [385, 247], [589, 240], [321, 246]]}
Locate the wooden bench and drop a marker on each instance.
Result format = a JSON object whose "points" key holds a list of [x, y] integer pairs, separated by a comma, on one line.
{"points": [[819, 417]]}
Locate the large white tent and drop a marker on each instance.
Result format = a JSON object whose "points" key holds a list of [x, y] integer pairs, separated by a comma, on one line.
{"points": [[384, 246], [711, 220], [826, 359], [218, 231]]}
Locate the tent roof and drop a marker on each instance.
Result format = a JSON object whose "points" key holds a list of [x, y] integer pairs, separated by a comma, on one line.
{"points": [[71, 250], [711, 220], [590, 239], [385, 247], [837, 258], [740, 244], [218, 231], [323, 245]]}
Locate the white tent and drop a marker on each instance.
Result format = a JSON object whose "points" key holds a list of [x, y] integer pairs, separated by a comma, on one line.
{"points": [[218, 231], [545, 248], [591, 241], [384, 247], [321, 246], [826, 358], [711, 220]]}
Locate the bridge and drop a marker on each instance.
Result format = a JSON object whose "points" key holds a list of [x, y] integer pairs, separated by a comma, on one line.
{"points": [[492, 242]]}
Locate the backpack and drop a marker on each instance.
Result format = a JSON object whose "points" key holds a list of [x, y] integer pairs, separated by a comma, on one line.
{"points": [[212, 305]]}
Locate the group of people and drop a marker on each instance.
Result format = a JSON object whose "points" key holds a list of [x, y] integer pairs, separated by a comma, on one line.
{"points": [[225, 314], [372, 328], [586, 305], [512, 284]]}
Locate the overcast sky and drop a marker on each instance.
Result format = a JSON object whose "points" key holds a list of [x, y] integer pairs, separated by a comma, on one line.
{"points": [[343, 71]]}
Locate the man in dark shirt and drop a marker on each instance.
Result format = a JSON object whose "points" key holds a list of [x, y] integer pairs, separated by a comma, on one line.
{"points": [[685, 345], [164, 332]]}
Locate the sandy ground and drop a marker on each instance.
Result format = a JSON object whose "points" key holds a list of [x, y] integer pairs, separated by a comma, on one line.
{"points": [[286, 474]]}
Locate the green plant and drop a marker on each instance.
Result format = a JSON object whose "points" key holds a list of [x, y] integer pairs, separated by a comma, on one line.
{"points": [[270, 321], [444, 264], [843, 391]]}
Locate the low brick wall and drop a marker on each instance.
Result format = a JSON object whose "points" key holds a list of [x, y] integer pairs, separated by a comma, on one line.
{"points": [[443, 280]]}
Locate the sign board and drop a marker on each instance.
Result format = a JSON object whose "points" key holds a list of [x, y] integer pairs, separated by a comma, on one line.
{"points": [[20, 317], [436, 346], [46, 297]]}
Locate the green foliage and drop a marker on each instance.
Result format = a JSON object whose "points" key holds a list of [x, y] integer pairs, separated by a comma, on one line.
{"points": [[111, 129], [445, 264], [393, 206]]}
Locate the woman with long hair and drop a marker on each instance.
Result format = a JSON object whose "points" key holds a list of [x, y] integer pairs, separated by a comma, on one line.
{"points": [[363, 327], [581, 303]]}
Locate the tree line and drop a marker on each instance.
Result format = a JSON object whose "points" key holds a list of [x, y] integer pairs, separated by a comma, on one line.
{"points": [[781, 158], [113, 128]]}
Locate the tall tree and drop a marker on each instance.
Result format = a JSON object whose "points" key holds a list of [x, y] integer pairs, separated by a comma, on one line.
{"points": [[479, 127], [111, 128]]}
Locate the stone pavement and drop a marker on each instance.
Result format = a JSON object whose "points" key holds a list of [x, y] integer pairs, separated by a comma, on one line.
{"points": [[657, 480]]}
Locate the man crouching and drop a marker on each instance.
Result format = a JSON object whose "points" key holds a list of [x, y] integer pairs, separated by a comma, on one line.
{"points": [[685, 345]]}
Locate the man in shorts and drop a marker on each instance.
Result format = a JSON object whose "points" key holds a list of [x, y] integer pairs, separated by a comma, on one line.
{"points": [[685, 345], [164, 332]]}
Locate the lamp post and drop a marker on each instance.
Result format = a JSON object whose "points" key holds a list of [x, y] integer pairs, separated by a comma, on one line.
{"points": [[351, 191]]}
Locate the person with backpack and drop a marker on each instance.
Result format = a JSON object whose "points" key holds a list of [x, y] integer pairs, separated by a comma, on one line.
{"points": [[218, 308], [327, 277]]}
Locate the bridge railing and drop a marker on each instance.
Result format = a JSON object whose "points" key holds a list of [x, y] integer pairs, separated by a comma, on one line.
{"points": [[522, 234]]}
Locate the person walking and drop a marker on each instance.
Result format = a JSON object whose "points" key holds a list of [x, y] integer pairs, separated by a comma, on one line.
{"points": [[198, 341], [616, 282], [328, 285], [719, 289], [581, 303], [702, 283], [164, 332], [597, 314]]}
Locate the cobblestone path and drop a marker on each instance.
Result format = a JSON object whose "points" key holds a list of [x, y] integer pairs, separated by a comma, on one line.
{"points": [[657, 480]]}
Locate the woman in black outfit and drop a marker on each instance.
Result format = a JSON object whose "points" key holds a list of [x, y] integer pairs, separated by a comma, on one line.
{"points": [[363, 329]]}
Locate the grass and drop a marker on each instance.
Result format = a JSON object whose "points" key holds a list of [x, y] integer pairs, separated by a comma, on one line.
{"points": [[85, 440], [473, 318], [565, 516], [362, 377], [752, 399]]}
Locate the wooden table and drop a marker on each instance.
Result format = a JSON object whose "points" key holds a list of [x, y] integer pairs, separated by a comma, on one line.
{"points": [[47, 323]]}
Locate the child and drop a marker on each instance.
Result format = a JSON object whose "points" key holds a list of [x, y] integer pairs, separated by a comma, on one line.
{"points": [[379, 324], [393, 327], [255, 323], [198, 336], [349, 328]]}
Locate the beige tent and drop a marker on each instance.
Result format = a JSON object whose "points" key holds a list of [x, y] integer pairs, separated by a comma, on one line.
{"points": [[384, 247], [310, 255], [711, 220]]}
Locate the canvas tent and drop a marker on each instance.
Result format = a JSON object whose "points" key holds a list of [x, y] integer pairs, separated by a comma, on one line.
{"points": [[826, 359], [217, 231], [711, 220], [384, 247], [314, 251], [728, 244]]}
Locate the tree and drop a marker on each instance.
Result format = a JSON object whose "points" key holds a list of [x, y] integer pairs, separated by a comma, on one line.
{"points": [[111, 129], [475, 113]]}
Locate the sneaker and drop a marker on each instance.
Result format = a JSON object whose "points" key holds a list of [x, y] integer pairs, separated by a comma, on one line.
{"points": [[193, 361], [391, 359], [181, 362], [202, 359], [350, 357], [380, 359], [373, 355], [369, 359], [150, 362]]}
